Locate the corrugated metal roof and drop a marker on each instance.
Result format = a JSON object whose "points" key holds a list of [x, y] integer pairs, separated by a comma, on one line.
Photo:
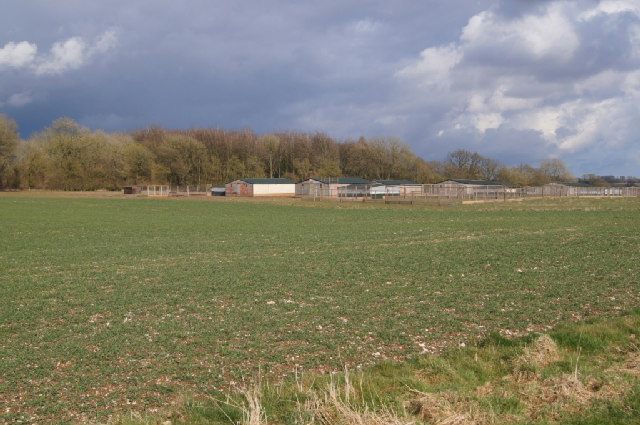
{"points": [[341, 180], [267, 181], [397, 182], [478, 182], [352, 186], [571, 184]]}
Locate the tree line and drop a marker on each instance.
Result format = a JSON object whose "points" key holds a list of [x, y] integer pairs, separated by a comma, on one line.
{"points": [[67, 156]]}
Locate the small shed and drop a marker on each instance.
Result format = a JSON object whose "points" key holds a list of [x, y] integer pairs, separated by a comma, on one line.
{"points": [[261, 187], [132, 190], [218, 191]]}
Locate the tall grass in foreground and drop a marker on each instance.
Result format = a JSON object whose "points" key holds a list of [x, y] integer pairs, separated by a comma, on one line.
{"points": [[586, 373]]}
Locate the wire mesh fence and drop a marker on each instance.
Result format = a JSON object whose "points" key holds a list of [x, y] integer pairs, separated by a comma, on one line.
{"points": [[411, 193], [167, 190], [454, 193]]}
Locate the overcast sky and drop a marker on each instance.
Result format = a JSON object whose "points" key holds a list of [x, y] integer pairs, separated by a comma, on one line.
{"points": [[520, 81]]}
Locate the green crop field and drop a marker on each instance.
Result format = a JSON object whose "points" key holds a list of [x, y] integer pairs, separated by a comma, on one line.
{"points": [[111, 305]]}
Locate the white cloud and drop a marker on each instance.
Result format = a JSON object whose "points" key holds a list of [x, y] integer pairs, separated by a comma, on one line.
{"points": [[579, 124], [503, 102], [20, 99], [631, 85], [70, 54], [17, 55], [364, 26], [107, 41], [483, 122], [611, 7], [545, 120], [548, 35], [588, 120], [434, 66], [476, 103], [603, 84]]}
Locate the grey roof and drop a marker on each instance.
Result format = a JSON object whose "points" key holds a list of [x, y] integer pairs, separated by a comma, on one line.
{"points": [[572, 184], [352, 186], [267, 181], [397, 182], [342, 180], [478, 182]]}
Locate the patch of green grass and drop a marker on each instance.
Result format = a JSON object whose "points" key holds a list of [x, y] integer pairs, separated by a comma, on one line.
{"points": [[614, 412], [595, 336], [470, 385], [111, 302]]}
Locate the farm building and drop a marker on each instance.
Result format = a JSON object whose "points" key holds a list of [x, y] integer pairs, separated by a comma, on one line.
{"points": [[565, 189], [354, 191], [484, 189], [261, 187], [327, 187], [395, 188], [581, 189]]}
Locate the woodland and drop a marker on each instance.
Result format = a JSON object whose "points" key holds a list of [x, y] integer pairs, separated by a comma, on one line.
{"points": [[68, 156]]}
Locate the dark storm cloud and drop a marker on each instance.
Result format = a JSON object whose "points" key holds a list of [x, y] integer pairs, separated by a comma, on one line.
{"points": [[516, 80]]}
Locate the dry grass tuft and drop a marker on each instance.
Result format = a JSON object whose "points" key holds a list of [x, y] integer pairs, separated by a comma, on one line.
{"points": [[555, 396], [449, 408], [566, 389], [632, 365], [337, 405], [252, 411], [542, 353]]}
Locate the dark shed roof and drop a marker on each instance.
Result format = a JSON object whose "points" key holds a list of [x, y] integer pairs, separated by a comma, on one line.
{"points": [[397, 182], [573, 184], [267, 181], [479, 182], [342, 180]]}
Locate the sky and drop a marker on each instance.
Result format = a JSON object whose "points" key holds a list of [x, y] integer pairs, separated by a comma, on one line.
{"points": [[520, 81]]}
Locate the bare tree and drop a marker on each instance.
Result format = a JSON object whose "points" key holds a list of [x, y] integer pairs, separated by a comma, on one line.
{"points": [[463, 164], [138, 163], [8, 146], [489, 168], [556, 170], [271, 143]]}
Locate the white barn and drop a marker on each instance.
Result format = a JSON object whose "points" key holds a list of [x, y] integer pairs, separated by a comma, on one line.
{"points": [[395, 188], [261, 187]]}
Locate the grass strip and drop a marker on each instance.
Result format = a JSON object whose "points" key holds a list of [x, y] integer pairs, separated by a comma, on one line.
{"points": [[579, 373]]}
